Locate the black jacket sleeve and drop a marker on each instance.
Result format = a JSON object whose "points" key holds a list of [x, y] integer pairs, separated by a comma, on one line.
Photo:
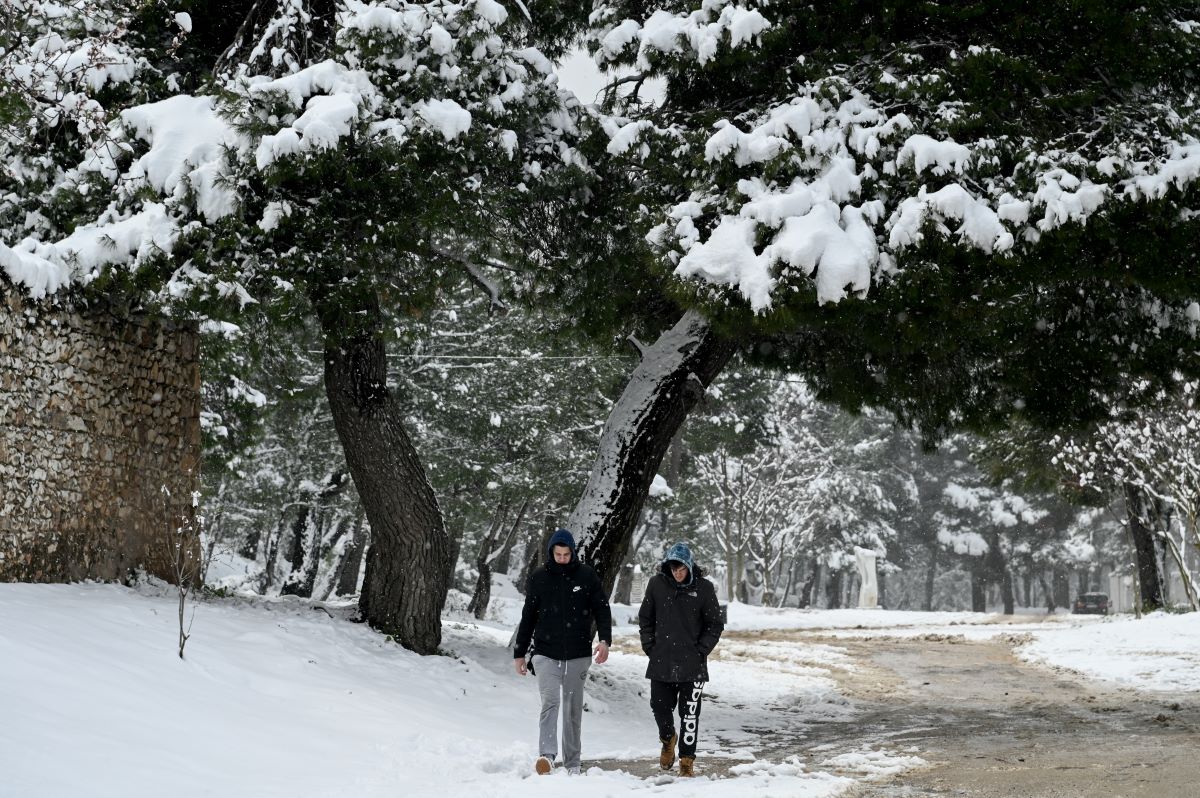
{"points": [[601, 612], [529, 614], [646, 618], [710, 622]]}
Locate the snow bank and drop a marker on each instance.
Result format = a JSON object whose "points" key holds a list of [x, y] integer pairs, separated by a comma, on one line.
{"points": [[1158, 652], [283, 698]]}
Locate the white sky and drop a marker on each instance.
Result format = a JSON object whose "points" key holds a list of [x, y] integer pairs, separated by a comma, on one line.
{"points": [[579, 73]]}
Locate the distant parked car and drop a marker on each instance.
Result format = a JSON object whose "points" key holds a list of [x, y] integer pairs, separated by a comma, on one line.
{"points": [[1094, 603]]}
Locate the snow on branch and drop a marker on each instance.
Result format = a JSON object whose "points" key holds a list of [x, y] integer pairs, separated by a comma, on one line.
{"points": [[827, 181]]}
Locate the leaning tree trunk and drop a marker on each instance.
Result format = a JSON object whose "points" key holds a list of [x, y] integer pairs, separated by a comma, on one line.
{"points": [[408, 561], [1144, 551], [673, 374]]}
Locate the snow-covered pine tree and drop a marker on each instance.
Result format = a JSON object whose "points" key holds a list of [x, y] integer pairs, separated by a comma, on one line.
{"points": [[346, 162], [952, 210], [1146, 458]]}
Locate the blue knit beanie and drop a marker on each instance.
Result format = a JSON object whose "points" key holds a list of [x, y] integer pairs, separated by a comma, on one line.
{"points": [[561, 537], [679, 552]]}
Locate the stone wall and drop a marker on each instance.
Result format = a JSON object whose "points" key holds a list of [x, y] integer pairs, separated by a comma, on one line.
{"points": [[97, 415]]}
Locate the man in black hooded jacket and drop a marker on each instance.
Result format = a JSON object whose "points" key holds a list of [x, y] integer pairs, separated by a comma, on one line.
{"points": [[562, 600], [680, 624]]}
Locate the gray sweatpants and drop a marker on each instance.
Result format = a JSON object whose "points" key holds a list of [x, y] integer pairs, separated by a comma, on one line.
{"points": [[560, 681]]}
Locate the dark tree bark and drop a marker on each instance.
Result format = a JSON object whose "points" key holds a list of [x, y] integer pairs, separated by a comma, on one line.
{"points": [[1062, 587], [301, 531], [672, 376], [454, 534], [408, 562], [503, 561], [271, 554], [833, 590], [1149, 575], [537, 550], [930, 576], [308, 532], [488, 552], [998, 573], [305, 41], [1006, 592], [1047, 594], [482, 595], [978, 585], [345, 581], [623, 593], [810, 584]]}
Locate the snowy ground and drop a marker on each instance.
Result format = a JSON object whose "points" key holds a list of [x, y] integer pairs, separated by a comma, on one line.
{"points": [[284, 698]]}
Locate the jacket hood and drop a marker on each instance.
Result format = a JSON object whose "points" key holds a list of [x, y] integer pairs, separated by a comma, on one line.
{"points": [[561, 537], [679, 552]]}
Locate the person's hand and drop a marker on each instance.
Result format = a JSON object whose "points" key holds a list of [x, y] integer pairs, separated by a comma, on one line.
{"points": [[601, 652], [522, 668]]}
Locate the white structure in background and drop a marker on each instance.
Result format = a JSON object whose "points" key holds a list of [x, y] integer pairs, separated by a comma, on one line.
{"points": [[1120, 593], [868, 591], [638, 589]]}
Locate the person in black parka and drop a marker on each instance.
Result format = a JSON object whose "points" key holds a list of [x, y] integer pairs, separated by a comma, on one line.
{"points": [[562, 600], [680, 624]]}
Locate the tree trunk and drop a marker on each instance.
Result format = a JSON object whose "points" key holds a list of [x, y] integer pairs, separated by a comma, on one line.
{"points": [[930, 576], [301, 533], [1047, 593], [341, 529], [1145, 554], [998, 573], [537, 547], [624, 590], [408, 563], [810, 584], [978, 584], [489, 551], [672, 376], [730, 568], [1062, 587], [346, 580], [833, 590], [482, 594], [1006, 592], [271, 555], [308, 536]]}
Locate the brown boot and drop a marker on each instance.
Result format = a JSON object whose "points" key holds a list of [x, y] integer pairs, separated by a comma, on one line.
{"points": [[666, 757], [543, 765], [686, 765]]}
